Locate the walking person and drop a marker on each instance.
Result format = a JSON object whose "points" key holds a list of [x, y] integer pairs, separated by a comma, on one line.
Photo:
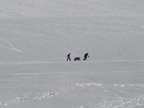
{"points": [[68, 57], [85, 56]]}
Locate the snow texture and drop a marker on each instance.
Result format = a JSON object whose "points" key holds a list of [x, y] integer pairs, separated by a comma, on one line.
{"points": [[36, 36]]}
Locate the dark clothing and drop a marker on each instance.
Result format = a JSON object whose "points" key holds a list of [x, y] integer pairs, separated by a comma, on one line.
{"points": [[68, 57], [85, 56]]}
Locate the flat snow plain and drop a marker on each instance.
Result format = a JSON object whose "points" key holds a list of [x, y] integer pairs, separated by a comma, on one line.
{"points": [[36, 36]]}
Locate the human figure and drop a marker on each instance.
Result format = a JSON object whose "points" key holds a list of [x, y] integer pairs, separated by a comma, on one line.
{"points": [[68, 57], [85, 56]]}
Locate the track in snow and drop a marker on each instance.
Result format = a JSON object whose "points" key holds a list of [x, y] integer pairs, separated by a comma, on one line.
{"points": [[136, 102], [46, 62], [10, 46], [119, 103]]}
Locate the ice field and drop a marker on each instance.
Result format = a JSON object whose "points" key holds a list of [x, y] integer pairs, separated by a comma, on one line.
{"points": [[36, 36]]}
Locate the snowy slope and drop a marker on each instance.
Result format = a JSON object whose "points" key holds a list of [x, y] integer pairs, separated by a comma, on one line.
{"points": [[36, 36], [48, 30], [73, 85]]}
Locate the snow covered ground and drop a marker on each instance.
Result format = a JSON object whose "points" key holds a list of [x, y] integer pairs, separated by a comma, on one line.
{"points": [[36, 36], [117, 84]]}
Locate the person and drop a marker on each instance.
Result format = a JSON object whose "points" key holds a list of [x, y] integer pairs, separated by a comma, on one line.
{"points": [[85, 56], [68, 57]]}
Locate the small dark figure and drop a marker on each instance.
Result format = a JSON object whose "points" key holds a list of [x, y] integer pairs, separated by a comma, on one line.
{"points": [[68, 57], [77, 59], [85, 56]]}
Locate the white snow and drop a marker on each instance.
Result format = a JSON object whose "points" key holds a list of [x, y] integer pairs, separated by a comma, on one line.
{"points": [[36, 36]]}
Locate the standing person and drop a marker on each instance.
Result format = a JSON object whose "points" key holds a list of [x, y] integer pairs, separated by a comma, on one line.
{"points": [[68, 57], [85, 56]]}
